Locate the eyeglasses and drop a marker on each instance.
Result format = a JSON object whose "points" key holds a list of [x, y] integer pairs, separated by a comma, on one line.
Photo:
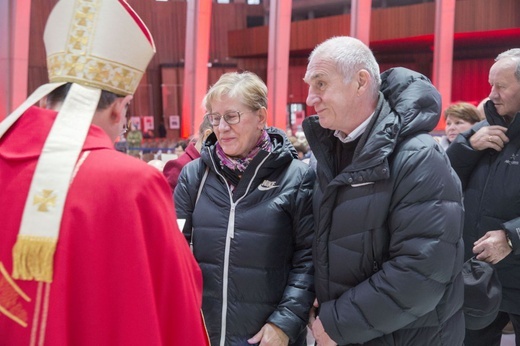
{"points": [[231, 118]]}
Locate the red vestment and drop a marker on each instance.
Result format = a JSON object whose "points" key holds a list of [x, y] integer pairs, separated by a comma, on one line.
{"points": [[123, 273]]}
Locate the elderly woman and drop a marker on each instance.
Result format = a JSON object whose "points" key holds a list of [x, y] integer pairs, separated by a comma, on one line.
{"points": [[247, 206], [459, 117]]}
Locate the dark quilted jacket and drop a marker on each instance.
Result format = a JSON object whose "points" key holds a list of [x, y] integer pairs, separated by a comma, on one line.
{"points": [[388, 250], [254, 246]]}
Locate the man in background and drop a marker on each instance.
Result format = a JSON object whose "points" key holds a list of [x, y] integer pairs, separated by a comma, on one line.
{"points": [[487, 160], [90, 253]]}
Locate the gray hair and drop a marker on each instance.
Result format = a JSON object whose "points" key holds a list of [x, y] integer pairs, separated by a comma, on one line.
{"points": [[247, 87], [349, 55], [514, 54]]}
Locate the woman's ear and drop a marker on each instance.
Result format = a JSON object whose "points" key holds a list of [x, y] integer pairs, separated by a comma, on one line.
{"points": [[206, 133], [262, 113]]}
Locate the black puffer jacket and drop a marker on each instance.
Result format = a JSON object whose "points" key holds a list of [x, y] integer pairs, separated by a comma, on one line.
{"points": [[388, 249], [492, 197], [254, 246]]}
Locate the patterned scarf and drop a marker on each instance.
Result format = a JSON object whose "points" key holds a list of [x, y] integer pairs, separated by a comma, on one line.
{"points": [[240, 164]]}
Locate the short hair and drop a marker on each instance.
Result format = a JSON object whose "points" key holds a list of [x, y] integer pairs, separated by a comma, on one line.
{"points": [[463, 110], [349, 55], [514, 54], [59, 94], [182, 143], [247, 87]]}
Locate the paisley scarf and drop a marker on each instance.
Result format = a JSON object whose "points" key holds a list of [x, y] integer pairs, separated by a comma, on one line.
{"points": [[240, 164]]}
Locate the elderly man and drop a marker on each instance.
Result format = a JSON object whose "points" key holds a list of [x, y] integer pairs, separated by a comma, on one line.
{"points": [[388, 249], [487, 160], [90, 253]]}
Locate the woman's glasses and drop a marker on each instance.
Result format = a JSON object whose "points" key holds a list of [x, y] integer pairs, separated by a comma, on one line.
{"points": [[231, 118]]}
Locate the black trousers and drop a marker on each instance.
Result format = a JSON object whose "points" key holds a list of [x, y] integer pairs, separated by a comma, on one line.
{"points": [[492, 334]]}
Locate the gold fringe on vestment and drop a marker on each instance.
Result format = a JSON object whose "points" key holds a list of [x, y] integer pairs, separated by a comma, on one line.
{"points": [[33, 258]]}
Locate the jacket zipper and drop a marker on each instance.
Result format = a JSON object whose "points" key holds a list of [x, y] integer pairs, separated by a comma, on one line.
{"points": [[230, 234]]}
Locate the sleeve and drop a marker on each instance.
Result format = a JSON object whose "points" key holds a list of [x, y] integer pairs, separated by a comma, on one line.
{"points": [[171, 171], [462, 156], [176, 277], [512, 229], [184, 196], [424, 256], [293, 310]]}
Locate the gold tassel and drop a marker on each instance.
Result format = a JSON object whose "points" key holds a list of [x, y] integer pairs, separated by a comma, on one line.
{"points": [[33, 258]]}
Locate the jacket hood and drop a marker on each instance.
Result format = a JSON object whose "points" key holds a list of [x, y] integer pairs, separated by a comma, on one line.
{"points": [[413, 97]]}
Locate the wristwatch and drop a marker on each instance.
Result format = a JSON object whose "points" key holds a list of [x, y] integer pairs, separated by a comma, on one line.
{"points": [[509, 242]]}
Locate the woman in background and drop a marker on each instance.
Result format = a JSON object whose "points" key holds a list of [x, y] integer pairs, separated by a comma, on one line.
{"points": [[459, 117]]}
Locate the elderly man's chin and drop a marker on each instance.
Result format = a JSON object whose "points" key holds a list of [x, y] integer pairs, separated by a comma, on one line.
{"points": [[323, 122]]}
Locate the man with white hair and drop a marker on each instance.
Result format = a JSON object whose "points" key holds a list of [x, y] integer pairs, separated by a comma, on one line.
{"points": [[487, 160], [387, 205], [90, 252]]}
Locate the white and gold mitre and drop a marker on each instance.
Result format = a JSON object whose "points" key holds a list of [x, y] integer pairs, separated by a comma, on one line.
{"points": [[101, 44]]}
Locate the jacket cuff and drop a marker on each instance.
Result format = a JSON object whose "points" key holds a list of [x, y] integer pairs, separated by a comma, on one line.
{"points": [[288, 322], [512, 229]]}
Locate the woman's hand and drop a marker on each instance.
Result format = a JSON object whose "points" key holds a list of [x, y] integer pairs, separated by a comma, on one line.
{"points": [[270, 335]]}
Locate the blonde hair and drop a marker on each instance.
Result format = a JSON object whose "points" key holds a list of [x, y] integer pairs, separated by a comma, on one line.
{"points": [[247, 87], [463, 110]]}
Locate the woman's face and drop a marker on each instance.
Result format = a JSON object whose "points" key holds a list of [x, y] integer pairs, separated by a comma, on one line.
{"points": [[454, 126], [239, 139]]}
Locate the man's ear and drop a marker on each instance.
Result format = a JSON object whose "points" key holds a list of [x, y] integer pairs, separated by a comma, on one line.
{"points": [[120, 107], [363, 79], [43, 103]]}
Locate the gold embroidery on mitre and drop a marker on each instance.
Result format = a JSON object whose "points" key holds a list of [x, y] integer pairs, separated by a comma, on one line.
{"points": [[10, 294], [33, 258], [76, 64], [45, 199]]}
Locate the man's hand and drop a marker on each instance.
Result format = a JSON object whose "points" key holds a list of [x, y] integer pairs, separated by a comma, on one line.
{"points": [[492, 247], [270, 335], [313, 312], [320, 335], [493, 137]]}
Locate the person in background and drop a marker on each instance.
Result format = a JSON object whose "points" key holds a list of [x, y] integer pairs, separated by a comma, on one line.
{"points": [[388, 248], [459, 117], [90, 251], [180, 148], [134, 138], [487, 160], [162, 129], [149, 134], [247, 205], [173, 168]]}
